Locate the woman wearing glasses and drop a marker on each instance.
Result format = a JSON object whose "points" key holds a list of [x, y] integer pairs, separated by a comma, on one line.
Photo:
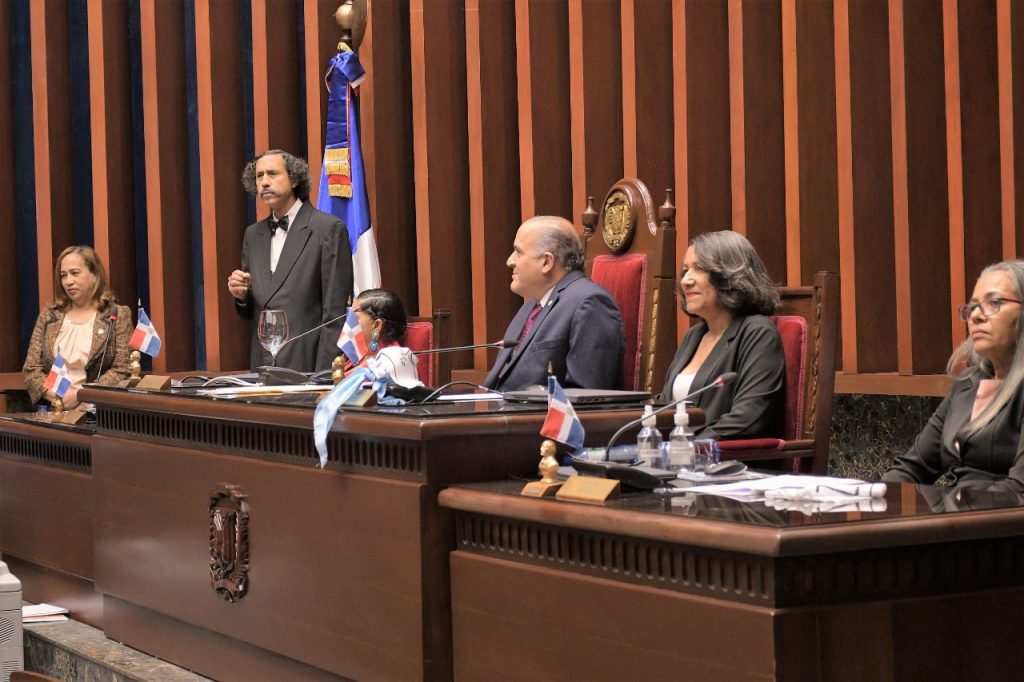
{"points": [[974, 438]]}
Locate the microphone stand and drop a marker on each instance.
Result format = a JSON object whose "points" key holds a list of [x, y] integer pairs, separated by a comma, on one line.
{"points": [[717, 383], [504, 343]]}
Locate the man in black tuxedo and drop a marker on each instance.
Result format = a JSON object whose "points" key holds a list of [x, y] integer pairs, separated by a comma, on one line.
{"points": [[298, 260], [566, 320]]}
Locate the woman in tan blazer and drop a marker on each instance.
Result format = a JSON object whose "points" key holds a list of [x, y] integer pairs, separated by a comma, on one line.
{"points": [[85, 323]]}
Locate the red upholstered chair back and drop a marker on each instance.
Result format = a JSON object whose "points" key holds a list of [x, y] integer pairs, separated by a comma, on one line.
{"points": [[426, 333], [631, 252], [625, 278], [420, 336], [793, 330], [808, 322]]}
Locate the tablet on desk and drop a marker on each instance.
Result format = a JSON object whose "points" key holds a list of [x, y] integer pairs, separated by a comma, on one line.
{"points": [[578, 396]]}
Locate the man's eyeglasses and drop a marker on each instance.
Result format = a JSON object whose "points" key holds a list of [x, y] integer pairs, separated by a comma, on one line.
{"points": [[988, 307]]}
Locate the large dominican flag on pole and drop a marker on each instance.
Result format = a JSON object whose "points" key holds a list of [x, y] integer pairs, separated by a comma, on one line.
{"points": [[58, 380], [144, 338], [561, 424], [343, 178]]}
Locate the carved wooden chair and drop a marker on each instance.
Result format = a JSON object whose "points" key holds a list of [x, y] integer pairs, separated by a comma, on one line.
{"points": [[426, 333], [808, 321], [633, 256]]}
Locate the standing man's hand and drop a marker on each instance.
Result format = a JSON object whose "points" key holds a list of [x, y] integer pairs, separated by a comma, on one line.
{"points": [[238, 284]]}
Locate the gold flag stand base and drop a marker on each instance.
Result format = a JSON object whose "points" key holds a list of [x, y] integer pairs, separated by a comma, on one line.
{"points": [[549, 484]]}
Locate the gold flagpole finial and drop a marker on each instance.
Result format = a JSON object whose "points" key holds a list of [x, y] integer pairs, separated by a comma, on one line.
{"points": [[351, 16]]}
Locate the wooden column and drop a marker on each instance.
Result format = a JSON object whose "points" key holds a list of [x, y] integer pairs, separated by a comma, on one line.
{"points": [[221, 154], [596, 77], [112, 163], [52, 137], [494, 191], [386, 100], [10, 351], [763, 155], [437, 31], [171, 305]]}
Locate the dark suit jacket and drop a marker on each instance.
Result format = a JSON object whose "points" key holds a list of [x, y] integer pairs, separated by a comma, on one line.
{"points": [[753, 404], [112, 351], [990, 458], [579, 332], [312, 284]]}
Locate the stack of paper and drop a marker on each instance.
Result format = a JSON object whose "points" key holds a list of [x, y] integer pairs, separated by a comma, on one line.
{"points": [[798, 488], [43, 613]]}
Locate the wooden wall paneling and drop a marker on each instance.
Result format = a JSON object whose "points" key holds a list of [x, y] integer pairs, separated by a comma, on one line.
{"points": [[321, 43], [817, 144], [260, 87], [10, 350], [386, 110], [51, 116], [655, 144], [979, 110], [707, 117], [1016, 49], [547, 100], [764, 135], [222, 154], [927, 205], [441, 161], [494, 192], [954, 162], [1004, 42], [680, 128], [598, 101], [844, 155], [737, 138], [110, 116], [171, 305], [627, 54], [791, 141], [284, 75], [901, 213], [871, 124]]}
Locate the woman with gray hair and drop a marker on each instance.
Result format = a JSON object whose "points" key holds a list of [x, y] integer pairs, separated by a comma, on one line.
{"points": [[974, 439], [724, 283]]}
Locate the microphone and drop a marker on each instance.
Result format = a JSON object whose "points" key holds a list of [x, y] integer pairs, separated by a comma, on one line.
{"points": [[504, 343], [722, 380], [310, 331], [106, 342]]}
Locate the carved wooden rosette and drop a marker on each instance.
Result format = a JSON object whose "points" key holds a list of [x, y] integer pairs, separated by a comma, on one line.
{"points": [[229, 543]]}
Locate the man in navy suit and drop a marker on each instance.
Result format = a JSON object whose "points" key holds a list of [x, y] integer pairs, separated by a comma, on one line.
{"points": [[298, 260], [566, 320]]}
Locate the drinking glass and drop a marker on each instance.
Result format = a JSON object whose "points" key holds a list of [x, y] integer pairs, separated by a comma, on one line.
{"points": [[705, 453], [272, 330]]}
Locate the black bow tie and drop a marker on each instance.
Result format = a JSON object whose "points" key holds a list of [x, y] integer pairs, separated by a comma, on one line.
{"points": [[278, 224]]}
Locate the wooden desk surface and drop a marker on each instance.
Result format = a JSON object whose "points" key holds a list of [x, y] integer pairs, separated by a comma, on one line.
{"points": [[708, 588], [348, 571]]}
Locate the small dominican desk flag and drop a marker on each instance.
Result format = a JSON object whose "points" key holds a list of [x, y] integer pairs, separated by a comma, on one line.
{"points": [[562, 424], [352, 342], [144, 338], [58, 380]]}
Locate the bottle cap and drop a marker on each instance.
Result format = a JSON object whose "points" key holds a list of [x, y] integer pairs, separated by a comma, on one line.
{"points": [[682, 417], [649, 420]]}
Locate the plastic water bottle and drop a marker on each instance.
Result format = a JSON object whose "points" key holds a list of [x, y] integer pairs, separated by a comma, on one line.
{"points": [[648, 441], [680, 442]]}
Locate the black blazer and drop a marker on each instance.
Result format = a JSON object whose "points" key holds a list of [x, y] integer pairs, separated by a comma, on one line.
{"points": [[312, 284], [579, 332], [753, 404], [990, 458]]}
